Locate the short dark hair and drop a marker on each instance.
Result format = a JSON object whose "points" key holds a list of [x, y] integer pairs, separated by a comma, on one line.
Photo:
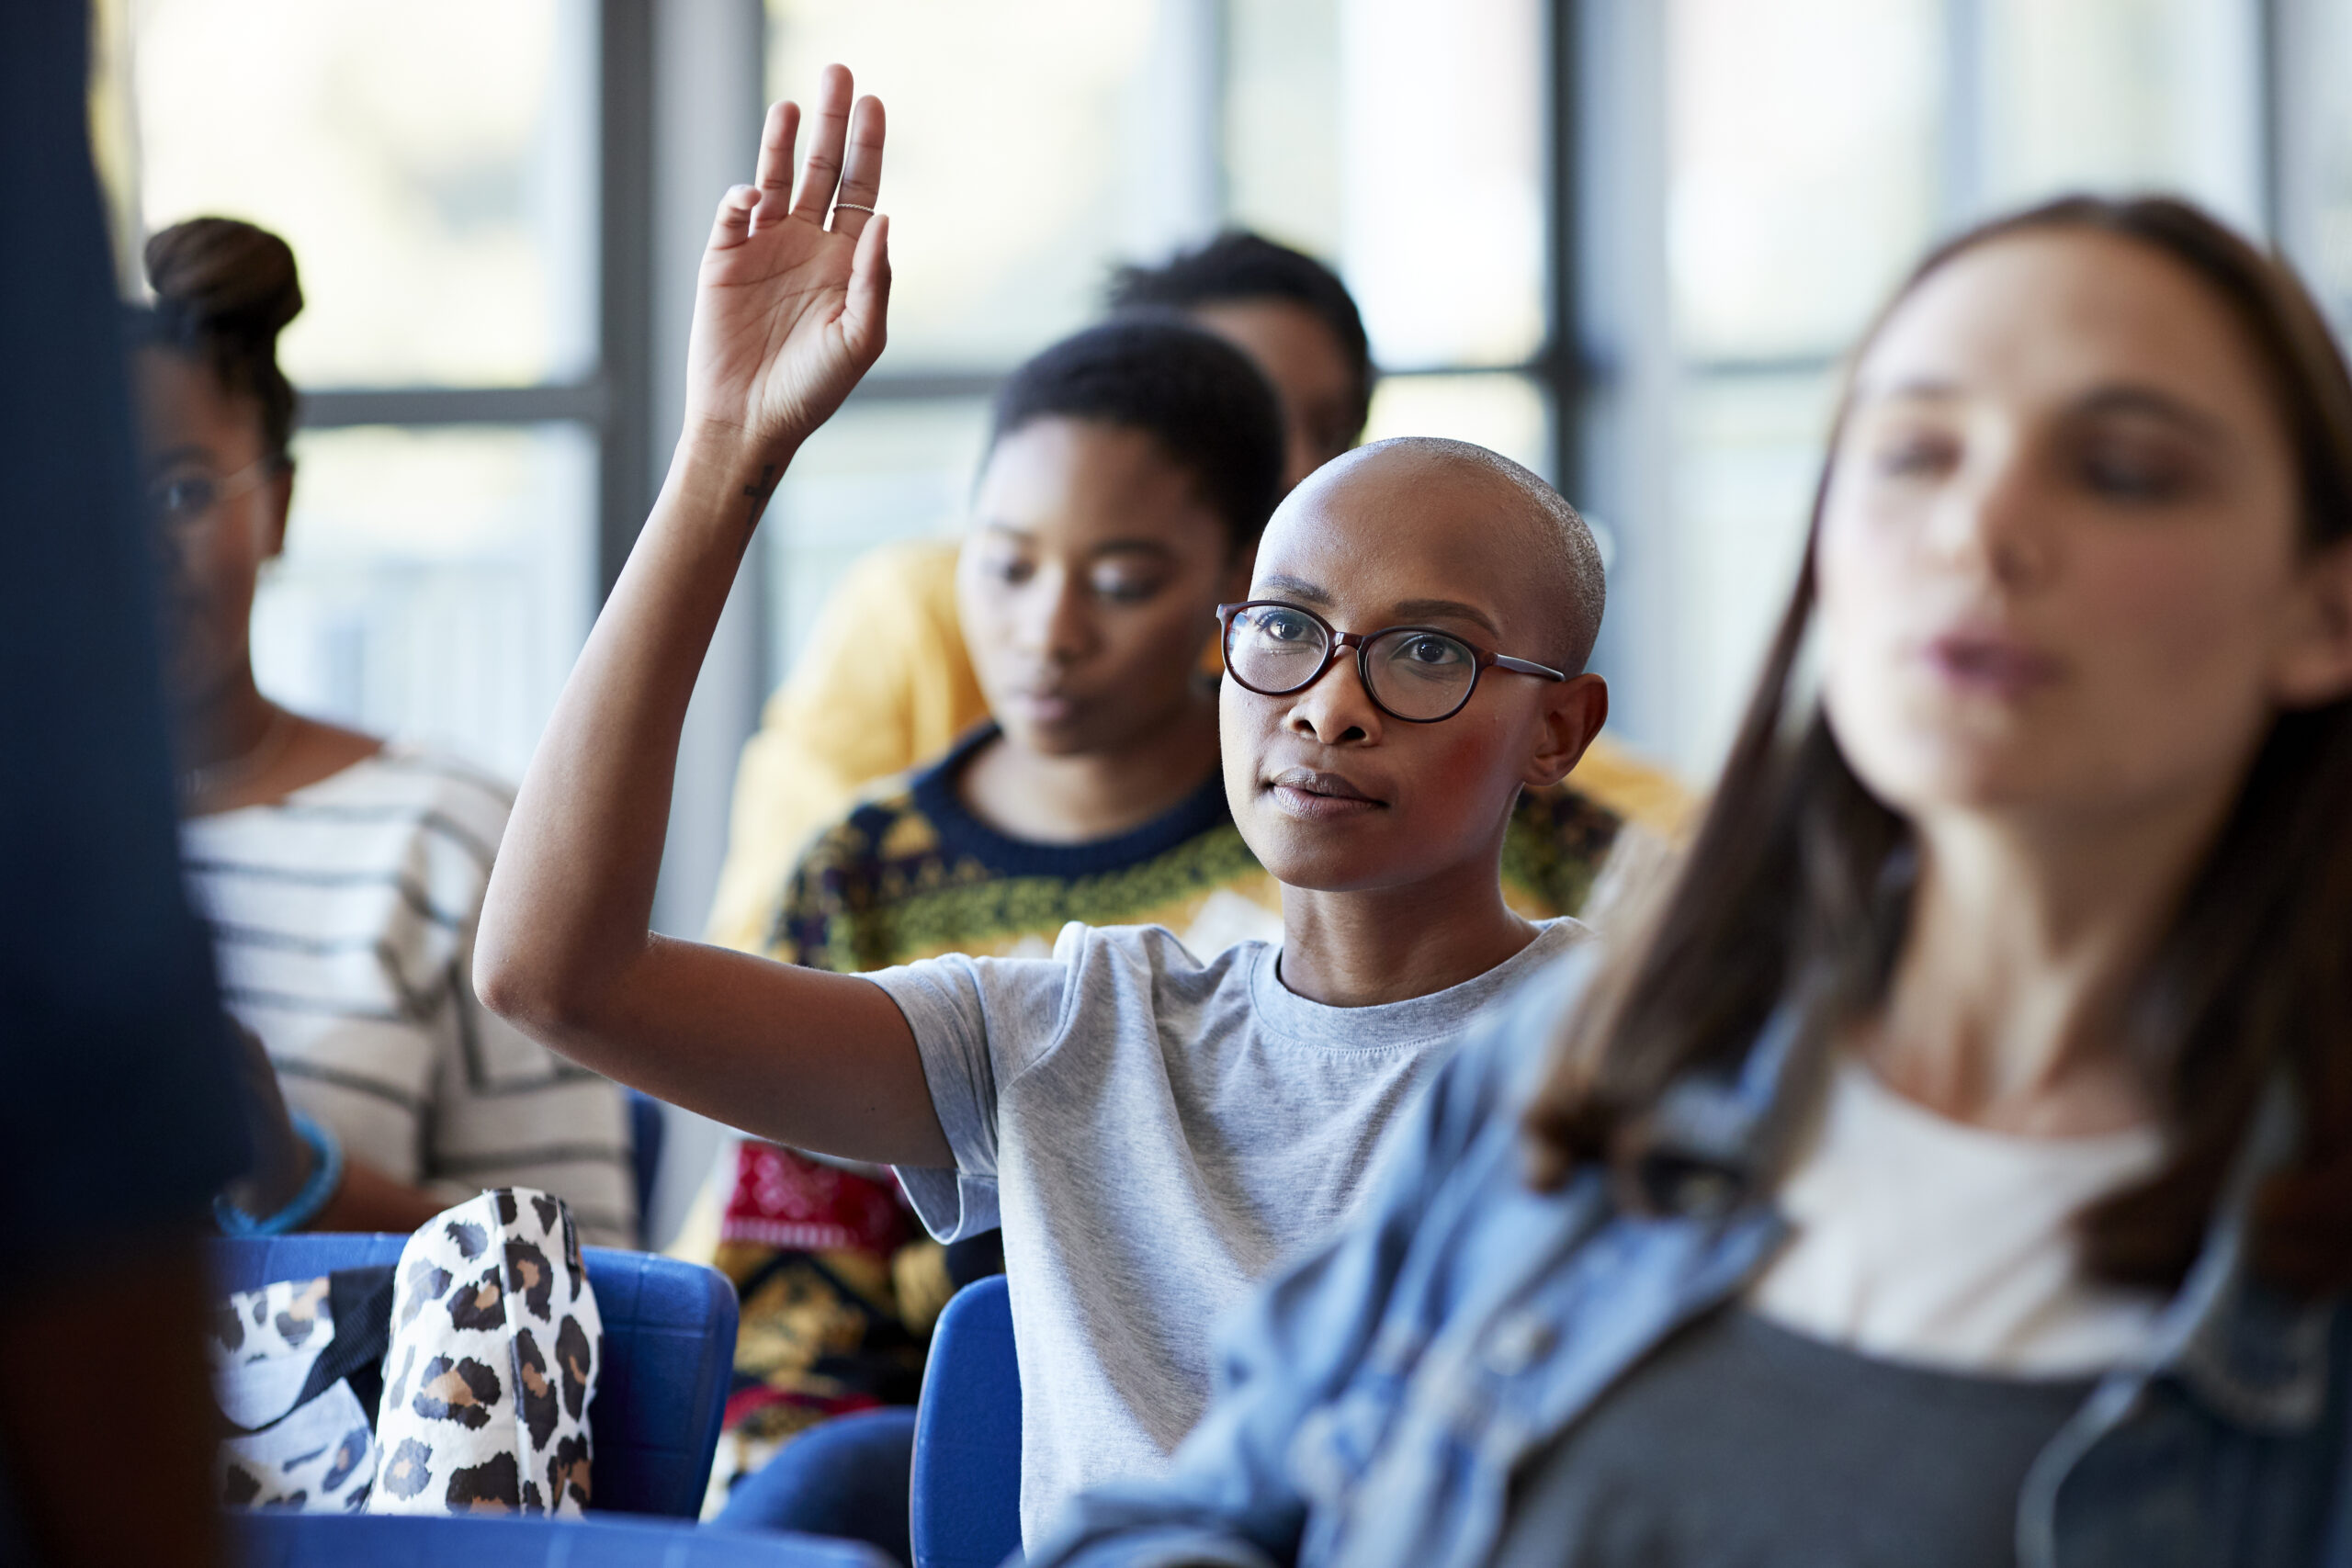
{"points": [[1198, 396], [1238, 265], [224, 290]]}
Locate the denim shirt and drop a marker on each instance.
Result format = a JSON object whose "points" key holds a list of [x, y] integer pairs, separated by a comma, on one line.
{"points": [[1374, 1403]]}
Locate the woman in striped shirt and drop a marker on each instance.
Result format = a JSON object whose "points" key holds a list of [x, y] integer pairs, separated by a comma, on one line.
{"points": [[343, 876]]}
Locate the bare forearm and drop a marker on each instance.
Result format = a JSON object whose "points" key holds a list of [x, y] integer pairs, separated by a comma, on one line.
{"points": [[788, 313], [566, 949], [815, 1060]]}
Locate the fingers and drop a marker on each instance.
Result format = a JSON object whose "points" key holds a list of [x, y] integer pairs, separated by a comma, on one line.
{"points": [[733, 224], [861, 172], [822, 171], [778, 134], [844, 163]]}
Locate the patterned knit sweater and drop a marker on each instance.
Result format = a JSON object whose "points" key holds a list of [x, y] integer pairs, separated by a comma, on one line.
{"points": [[910, 873]]}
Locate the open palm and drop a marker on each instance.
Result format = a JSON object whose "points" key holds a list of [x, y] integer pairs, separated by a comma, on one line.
{"points": [[790, 312]]}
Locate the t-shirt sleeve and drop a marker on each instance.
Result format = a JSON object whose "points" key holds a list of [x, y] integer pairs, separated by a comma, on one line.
{"points": [[977, 1023]]}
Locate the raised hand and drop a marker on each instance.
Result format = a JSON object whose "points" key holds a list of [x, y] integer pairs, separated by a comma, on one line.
{"points": [[789, 312]]}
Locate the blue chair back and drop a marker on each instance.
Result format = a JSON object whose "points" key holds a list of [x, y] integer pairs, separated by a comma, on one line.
{"points": [[966, 1507], [647, 1132], [669, 1355], [268, 1539]]}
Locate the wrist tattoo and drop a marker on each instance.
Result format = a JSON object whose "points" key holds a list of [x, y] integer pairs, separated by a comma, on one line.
{"points": [[759, 490]]}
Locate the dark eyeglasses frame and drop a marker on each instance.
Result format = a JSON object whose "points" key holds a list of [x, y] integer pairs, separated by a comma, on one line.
{"points": [[226, 488], [1337, 641]]}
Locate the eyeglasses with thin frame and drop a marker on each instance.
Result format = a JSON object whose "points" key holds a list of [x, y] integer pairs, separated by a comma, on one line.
{"points": [[1418, 674], [182, 501]]}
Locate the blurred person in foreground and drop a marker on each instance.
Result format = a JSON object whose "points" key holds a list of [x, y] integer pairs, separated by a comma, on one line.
{"points": [[887, 682], [121, 1118], [1957, 1167], [342, 875]]}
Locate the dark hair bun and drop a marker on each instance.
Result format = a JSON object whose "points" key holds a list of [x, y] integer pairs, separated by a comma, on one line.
{"points": [[223, 291], [229, 277]]}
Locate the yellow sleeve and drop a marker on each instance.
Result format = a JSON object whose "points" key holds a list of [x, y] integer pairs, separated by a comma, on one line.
{"points": [[1638, 790], [885, 684]]}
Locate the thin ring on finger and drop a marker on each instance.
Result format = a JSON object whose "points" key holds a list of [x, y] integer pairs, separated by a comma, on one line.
{"points": [[853, 207]]}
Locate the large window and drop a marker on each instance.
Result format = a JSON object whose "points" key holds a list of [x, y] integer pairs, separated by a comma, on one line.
{"points": [[432, 165], [2313, 177], [1812, 149], [1099, 131], [2119, 94], [1413, 158], [1802, 159], [1626, 241], [1718, 192], [1010, 189]]}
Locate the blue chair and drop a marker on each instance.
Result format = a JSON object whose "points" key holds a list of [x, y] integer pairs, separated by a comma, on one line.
{"points": [[669, 1354], [270, 1540], [966, 1510], [647, 1132], [848, 1477]]}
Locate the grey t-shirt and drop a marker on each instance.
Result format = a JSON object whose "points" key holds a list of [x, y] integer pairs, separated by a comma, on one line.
{"points": [[1154, 1133]]}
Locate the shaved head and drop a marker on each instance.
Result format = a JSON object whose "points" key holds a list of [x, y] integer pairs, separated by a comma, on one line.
{"points": [[1549, 541], [1334, 792]]}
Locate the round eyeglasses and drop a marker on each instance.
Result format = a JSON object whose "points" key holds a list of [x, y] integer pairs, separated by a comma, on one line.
{"points": [[184, 501], [1416, 673]]}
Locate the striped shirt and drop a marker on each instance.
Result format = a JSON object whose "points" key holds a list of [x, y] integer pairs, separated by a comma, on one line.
{"points": [[344, 916]]}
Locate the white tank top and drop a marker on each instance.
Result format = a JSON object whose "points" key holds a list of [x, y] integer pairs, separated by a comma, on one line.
{"points": [[1924, 1239]]}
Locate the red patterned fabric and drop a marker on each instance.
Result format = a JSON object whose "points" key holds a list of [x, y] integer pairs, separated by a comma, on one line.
{"points": [[752, 1398], [785, 1200]]}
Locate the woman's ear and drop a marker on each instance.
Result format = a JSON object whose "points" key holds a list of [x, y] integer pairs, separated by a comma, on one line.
{"points": [[281, 494], [1572, 714], [2315, 664]]}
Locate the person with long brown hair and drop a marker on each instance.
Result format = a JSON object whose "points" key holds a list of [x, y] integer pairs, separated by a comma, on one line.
{"points": [[1956, 1166]]}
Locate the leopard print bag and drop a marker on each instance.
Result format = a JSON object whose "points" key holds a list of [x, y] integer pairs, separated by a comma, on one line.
{"points": [[297, 1367], [495, 1345]]}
